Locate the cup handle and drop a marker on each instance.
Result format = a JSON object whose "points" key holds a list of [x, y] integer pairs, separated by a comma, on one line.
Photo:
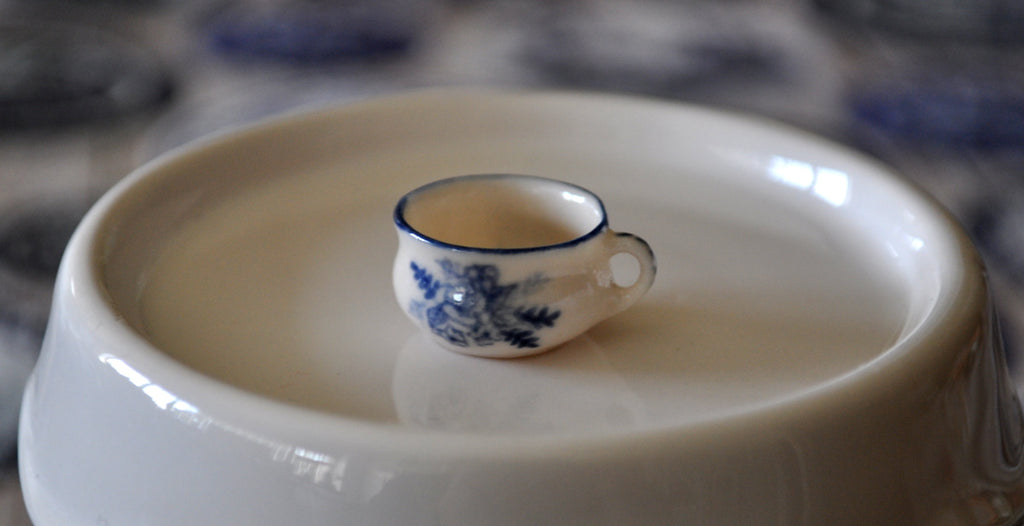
{"points": [[623, 243]]}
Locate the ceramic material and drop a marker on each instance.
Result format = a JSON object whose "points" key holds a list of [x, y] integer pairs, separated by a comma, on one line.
{"points": [[818, 347], [504, 265]]}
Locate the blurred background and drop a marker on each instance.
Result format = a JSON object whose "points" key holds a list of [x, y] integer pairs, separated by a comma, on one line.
{"points": [[90, 89]]}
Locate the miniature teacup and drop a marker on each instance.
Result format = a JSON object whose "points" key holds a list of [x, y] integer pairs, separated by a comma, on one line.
{"points": [[504, 265]]}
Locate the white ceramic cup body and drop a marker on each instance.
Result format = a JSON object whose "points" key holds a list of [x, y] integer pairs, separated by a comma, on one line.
{"points": [[116, 429], [506, 265]]}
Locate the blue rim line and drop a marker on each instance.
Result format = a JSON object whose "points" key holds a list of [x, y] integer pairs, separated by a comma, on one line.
{"points": [[404, 226]]}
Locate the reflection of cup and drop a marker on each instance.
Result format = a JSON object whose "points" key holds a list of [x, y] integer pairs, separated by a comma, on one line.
{"points": [[510, 265], [573, 390]]}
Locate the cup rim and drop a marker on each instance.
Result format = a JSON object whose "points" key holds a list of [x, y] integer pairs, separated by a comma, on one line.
{"points": [[82, 274], [403, 225]]}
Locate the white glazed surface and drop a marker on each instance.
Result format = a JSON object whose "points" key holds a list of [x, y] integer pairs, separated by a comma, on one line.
{"points": [[817, 349]]}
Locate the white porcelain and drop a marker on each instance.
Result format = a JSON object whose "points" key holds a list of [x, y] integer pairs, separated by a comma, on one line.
{"points": [[225, 348], [510, 265]]}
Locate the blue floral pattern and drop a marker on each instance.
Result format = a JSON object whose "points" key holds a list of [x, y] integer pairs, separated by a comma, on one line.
{"points": [[467, 305]]}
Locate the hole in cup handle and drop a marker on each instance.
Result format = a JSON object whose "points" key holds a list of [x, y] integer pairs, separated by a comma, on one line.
{"points": [[623, 243]]}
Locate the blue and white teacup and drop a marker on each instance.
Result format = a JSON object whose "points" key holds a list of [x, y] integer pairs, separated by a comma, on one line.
{"points": [[502, 265]]}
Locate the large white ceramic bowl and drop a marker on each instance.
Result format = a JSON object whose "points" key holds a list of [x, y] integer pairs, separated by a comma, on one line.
{"points": [[818, 347]]}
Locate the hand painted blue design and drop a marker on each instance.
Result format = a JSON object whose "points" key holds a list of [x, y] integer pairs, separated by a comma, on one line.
{"points": [[425, 281], [468, 305]]}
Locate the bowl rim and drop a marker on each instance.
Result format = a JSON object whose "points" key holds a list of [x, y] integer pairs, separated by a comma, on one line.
{"points": [[956, 309]]}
